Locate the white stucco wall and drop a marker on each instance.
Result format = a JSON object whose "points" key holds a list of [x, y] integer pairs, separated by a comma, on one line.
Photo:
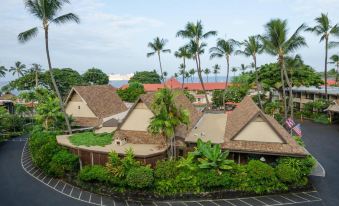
{"points": [[139, 118], [260, 131]]}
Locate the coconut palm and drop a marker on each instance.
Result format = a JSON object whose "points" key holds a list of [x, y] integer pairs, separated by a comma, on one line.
{"points": [[325, 30], [224, 49], [195, 33], [3, 71], [243, 68], [234, 70], [158, 47], [184, 54], [165, 75], [46, 11], [207, 71], [277, 43], [252, 47], [335, 60], [187, 75], [167, 117], [192, 73], [176, 75], [182, 72], [216, 71], [36, 69], [18, 69]]}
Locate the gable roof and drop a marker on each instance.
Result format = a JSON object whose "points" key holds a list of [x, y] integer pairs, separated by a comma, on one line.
{"points": [[245, 113], [181, 101], [8, 96], [102, 100]]}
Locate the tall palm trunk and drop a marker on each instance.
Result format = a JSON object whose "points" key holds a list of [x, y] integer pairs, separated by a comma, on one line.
{"points": [[36, 79], [215, 78], [54, 83], [337, 75], [197, 60], [289, 84], [162, 75], [183, 74], [325, 74], [257, 80], [226, 85], [282, 65]]}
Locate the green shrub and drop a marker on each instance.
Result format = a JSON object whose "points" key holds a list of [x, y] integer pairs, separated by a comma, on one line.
{"points": [[166, 169], [140, 177], [94, 173], [212, 179], [298, 168], [63, 162], [322, 119], [261, 178]]}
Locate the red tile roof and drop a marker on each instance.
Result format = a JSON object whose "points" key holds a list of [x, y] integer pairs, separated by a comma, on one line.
{"points": [[173, 83]]}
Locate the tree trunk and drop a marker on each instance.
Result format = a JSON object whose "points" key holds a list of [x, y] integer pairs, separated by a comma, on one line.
{"points": [[36, 79], [290, 104], [55, 85], [281, 62], [337, 75], [183, 75], [226, 85], [161, 74], [325, 74], [197, 59], [257, 81]]}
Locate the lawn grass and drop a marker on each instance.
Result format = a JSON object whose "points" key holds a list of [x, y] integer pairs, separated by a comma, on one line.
{"points": [[91, 139]]}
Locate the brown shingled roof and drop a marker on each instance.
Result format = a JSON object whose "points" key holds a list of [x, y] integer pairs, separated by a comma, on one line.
{"points": [[101, 99], [241, 117]]}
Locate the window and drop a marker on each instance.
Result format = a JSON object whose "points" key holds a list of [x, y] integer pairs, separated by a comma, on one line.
{"points": [[78, 107], [199, 99]]}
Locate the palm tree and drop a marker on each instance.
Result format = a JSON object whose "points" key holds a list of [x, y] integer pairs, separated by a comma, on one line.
{"points": [[224, 48], [195, 33], [243, 68], [158, 47], [335, 60], [46, 11], [234, 70], [176, 75], [192, 73], [182, 72], [36, 69], [18, 69], [325, 29], [252, 47], [183, 53], [216, 71], [277, 43], [167, 117], [188, 75], [207, 71], [165, 75], [3, 71]]}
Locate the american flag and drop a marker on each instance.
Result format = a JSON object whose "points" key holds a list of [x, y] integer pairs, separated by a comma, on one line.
{"points": [[290, 123], [297, 129]]}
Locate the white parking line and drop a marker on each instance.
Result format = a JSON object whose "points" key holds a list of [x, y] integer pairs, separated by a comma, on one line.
{"points": [[300, 197], [244, 201], [288, 199], [229, 202], [259, 200], [311, 195], [56, 184], [63, 188]]}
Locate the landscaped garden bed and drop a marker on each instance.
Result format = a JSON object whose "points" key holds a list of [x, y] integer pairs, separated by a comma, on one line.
{"points": [[206, 172]]}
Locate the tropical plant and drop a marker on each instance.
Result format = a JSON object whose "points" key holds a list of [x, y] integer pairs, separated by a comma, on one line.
{"points": [[183, 53], [167, 117], [211, 156], [18, 69], [3, 71], [207, 71], [325, 30], [234, 70], [195, 33], [216, 71], [192, 73], [253, 47], [277, 43], [158, 47], [145, 77], [36, 70], [46, 11], [335, 60], [273, 108], [132, 92], [243, 68], [224, 49], [188, 75]]}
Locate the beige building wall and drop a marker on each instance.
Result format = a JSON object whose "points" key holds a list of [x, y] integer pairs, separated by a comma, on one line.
{"points": [[78, 108], [260, 131], [138, 119]]}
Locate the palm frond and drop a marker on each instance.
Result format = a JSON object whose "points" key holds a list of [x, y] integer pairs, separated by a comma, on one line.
{"points": [[150, 54], [70, 17], [333, 44], [166, 51], [28, 35]]}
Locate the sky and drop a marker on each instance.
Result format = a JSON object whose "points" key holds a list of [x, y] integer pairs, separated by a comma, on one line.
{"points": [[113, 35]]}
